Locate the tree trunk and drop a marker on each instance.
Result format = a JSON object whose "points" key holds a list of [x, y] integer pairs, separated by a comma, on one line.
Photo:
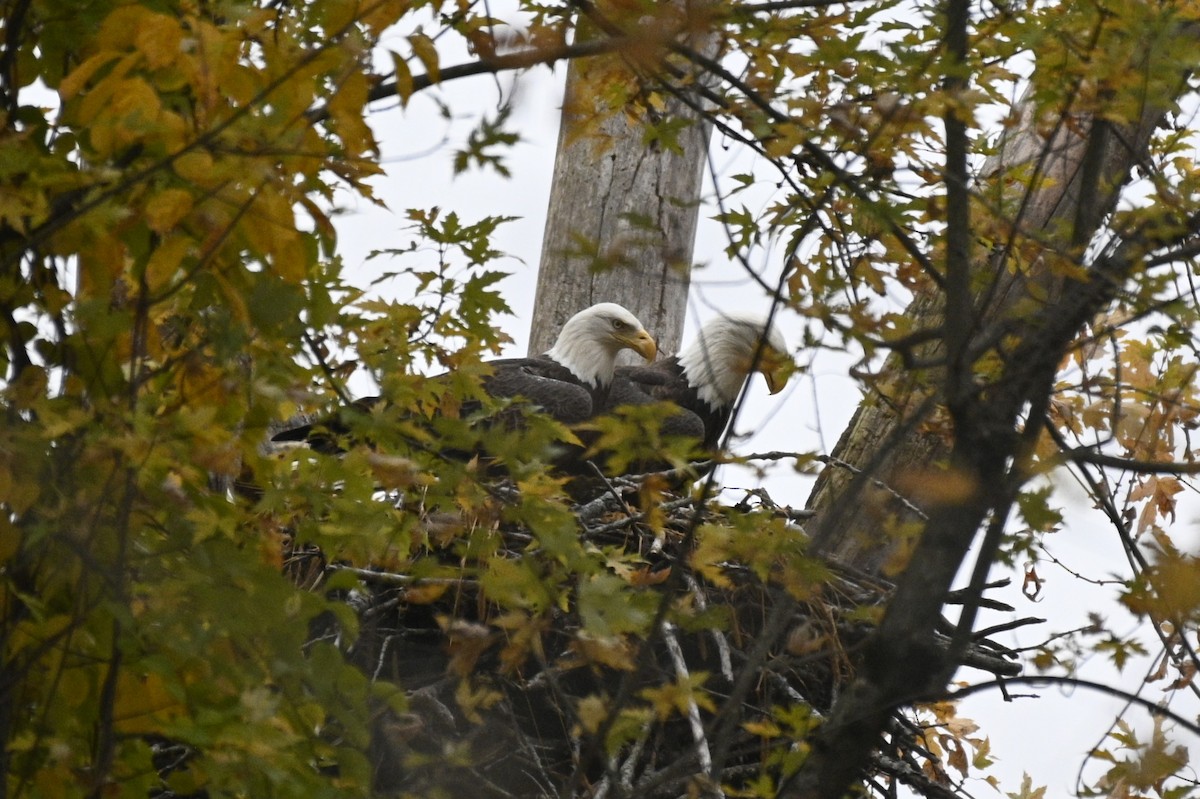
{"points": [[868, 500], [621, 226]]}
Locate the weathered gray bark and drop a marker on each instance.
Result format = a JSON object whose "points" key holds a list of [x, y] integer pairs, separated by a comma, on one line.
{"points": [[621, 226]]}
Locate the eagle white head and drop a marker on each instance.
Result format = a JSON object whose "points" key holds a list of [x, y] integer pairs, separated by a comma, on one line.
{"points": [[589, 342], [719, 360]]}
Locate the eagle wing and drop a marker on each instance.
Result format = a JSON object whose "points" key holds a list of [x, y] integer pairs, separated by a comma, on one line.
{"points": [[540, 381], [544, 383], [659, 382]]}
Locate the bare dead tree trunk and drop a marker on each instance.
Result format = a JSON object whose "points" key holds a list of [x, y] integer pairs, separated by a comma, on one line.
{"points": [[621, 226]]}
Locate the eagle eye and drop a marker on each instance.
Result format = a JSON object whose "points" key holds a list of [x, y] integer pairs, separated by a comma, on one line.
{"points": [[618, 324]]}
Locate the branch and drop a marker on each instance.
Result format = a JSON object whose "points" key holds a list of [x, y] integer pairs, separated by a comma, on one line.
{"points": [[703, 753], [394, 579], [960, 317], [772, 6], [1133, 465], [1152, 708], [1182, 253], [977, 658], [521, 59], [986, 632], [913, 777]]}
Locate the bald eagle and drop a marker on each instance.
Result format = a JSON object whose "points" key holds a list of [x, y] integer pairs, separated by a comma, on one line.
{"points": [[704, 380], [570, 382]]}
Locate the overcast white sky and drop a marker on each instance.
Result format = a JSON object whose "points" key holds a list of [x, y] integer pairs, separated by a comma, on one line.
{"points": [[1047, 737]]}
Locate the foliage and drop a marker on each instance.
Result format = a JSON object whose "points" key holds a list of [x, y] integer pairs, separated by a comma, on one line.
{"points": [[177, 601], [158, 283]]}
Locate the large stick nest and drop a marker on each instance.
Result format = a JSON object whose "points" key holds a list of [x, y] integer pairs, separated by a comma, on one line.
{"points": [[503, 704]]}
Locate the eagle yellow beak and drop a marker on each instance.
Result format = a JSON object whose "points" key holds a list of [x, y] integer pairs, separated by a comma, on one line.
{"points": [[776, 368], [641, 343]]}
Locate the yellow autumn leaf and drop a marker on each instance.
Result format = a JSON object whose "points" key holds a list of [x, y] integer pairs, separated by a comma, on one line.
{"points": [[259, 223], [240, 83], [393, 471], [166, 209], [472, 699], [143, 704], [763, 729], [321, 221], [101, 261], [164, 262], [612, 651], [1176, 581], [257, 22], [403, 77], [35, 632], [424, 594], [346, 112], [591, 713], [119, 28], [74, 687], [378, 17], [78, 77], [132, 110], [1160, 491], [97, 102], [195, 165], [10, 536], [135, 98], [271, 233], [159, 38], [102, 137], [338, 15], [290, 256], [424, 49], [957, 759], [172, 133], [236, 303]]}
